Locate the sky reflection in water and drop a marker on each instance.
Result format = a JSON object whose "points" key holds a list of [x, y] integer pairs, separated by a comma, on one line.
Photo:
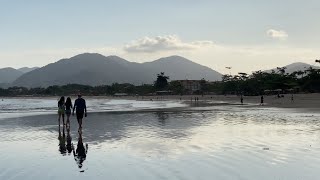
{"points": [[224, 143]]}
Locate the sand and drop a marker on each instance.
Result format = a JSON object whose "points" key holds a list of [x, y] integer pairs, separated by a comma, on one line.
{"points": [[301, 101]]}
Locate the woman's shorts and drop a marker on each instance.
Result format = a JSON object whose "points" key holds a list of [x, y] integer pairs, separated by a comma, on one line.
{"points": [[61, 111], [68, 112]]}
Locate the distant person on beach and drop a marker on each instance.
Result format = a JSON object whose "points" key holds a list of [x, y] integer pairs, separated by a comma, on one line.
{"points": [[261, 100], [61, 109], [68, 105], [81, 109], [241, 99], [292, 100]]}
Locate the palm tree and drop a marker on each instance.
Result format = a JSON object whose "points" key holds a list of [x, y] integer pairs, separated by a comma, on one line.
{"points": [[226, 77], [162, 81], [243, 76]]}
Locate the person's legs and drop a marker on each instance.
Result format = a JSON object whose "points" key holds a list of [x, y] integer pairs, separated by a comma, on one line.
{"points": [[80, 123], [79, 118], [63, 119], [59, 114], [68, 119]]}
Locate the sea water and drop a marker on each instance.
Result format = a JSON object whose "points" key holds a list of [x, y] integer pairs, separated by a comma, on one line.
{"points": [[18, 107]]}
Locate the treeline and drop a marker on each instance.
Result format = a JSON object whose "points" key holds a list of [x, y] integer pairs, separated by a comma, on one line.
{"points": [[73, 89], [259, 82], [161, 84]]}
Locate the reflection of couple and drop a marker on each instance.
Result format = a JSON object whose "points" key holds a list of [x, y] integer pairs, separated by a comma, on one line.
{"points": [[80, 153], [63, 147]]}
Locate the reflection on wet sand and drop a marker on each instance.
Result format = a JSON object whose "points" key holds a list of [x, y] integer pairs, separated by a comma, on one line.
{"points": [[69, 141], [62, 141], [80, 154], [162, 116], [230, 143]]}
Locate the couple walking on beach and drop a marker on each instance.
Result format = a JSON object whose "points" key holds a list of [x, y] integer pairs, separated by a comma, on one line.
{"points": [[65, 107]]}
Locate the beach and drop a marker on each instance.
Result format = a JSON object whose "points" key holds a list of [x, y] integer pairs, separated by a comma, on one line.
{"points": [[225, 140], [300, 101]]}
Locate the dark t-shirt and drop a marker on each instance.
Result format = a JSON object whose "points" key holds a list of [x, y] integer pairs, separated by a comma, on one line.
{"points": [[80, 105]]}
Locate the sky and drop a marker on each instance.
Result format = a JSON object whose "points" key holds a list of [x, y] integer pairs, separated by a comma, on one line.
{"points": [[247, 35]]}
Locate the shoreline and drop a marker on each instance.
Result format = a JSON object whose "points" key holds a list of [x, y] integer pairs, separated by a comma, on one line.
{"points": [[301, 101]]}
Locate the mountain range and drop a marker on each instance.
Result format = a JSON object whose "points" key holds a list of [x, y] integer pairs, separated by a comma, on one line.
{"points": [[95, 69], [8, 75]]}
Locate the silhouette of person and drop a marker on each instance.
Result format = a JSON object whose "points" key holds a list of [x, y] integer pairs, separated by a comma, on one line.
{"points": [[62, 141], [80, 154], [69, 141], [81, 109], [61, 109], [68, 106], [261, 100], [241, 99]]}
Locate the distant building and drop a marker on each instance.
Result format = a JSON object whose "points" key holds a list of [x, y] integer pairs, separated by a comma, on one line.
{"points": [[190, 86]]}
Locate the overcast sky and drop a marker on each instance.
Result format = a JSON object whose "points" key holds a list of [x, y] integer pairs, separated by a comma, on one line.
{"points": [[247, 35]]}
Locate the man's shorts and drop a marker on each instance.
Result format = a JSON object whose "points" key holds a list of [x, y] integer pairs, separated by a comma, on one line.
{"points": [[80, 115]]}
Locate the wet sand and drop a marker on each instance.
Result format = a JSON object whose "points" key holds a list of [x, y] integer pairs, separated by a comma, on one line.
{"points": [[300, 101], [196, 142], [308, 102]]}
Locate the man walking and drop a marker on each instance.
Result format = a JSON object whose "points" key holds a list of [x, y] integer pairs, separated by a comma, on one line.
{"points": [[81, 109]]}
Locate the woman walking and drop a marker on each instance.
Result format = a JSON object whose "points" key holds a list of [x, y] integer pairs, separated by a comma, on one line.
{"points": [[61, 109], [68, 110]]}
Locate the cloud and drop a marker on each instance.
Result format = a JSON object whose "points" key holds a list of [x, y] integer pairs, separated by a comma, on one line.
{"points": [[163, 43], [277, 34]]}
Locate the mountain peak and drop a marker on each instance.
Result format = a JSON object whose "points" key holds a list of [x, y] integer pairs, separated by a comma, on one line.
{"points": [[8, 75], [27, 69], [87, 55], [174, 57], [297, 66], [8, 69]]}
